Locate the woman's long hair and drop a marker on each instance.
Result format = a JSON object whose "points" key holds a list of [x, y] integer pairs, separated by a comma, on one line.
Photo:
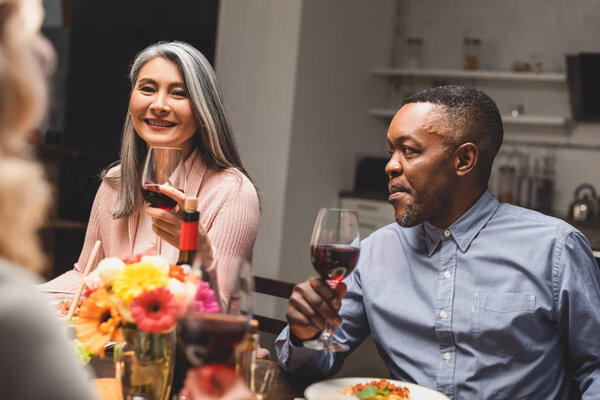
{"points": [[24, 192], [213, 138]]}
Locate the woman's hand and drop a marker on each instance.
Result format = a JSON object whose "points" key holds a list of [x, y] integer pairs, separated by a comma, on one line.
{"points": [[167, 224]]}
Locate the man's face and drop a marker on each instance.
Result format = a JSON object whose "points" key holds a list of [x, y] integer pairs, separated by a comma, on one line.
{"points": [[420, 171]]}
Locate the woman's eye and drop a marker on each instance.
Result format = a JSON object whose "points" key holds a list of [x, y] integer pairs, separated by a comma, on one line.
{"points": [[179, 93], [147, 89]]}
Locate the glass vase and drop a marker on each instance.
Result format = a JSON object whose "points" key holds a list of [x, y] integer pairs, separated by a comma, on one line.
{"points": [[144, 364]]}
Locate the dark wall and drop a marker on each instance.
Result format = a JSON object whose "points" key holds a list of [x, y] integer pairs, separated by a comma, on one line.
{"points": [[103, 38]]}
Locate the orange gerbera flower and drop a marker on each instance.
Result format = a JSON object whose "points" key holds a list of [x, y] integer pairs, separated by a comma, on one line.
{"points": [[98, 320]]}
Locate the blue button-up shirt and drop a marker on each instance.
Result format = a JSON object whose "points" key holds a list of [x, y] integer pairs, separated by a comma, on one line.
{"points": [[503, 304]]}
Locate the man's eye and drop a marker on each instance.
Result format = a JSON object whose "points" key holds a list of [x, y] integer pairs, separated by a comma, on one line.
{"points": [[408, 150]]}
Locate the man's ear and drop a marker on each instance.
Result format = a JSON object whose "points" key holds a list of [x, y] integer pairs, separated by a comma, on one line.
{"points": [[465, 158]]}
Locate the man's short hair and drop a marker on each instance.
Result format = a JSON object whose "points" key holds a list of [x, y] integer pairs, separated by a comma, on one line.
{"points": [[469, 115]]}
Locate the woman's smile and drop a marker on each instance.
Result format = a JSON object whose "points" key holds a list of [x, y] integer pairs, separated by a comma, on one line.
{"points": [[159, 123]]}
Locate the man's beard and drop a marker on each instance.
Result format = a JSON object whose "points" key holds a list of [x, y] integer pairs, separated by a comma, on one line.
{"points": [[417, 211], [410, 217]]}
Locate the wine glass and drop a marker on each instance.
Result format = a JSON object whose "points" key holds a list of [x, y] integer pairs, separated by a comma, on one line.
{"points": [[334, 250], [214, 325], [163, 166]]}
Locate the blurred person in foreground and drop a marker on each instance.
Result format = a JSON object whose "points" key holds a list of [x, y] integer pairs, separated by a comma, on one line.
{"points": [[36, 360], [175, 101], [463, 294]]}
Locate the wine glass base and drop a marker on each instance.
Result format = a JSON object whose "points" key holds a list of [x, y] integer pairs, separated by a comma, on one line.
{"points": [[319, 344]]}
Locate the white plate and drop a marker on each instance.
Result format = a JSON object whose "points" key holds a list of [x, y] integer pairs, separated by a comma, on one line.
{"points": [[329, 389]]}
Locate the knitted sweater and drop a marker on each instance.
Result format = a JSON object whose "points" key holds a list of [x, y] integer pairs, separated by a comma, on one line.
{"points": [[229, 211]]}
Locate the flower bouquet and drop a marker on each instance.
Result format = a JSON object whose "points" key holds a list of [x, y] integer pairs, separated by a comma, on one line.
{"points": [[136, 301]]}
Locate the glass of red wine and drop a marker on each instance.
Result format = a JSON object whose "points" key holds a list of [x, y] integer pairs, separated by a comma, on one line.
{"points": [[215, 323], [334, 251], [163, 166]]}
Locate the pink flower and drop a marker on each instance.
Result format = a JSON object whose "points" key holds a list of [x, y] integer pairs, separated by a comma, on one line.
{"points": [[205, 299], [154, 311]]}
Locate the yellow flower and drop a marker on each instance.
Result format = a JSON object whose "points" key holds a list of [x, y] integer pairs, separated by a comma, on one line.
{"points": [[137, 277], [97, 321]]}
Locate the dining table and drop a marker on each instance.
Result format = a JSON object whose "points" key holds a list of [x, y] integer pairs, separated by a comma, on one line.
{"points": [[284, 386]]}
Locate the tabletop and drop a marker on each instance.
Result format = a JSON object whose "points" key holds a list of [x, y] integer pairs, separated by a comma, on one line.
{"points": [[284, 387]]}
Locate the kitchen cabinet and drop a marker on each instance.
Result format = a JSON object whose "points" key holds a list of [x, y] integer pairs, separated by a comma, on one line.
{"points": [[400, 78], [374, 211]]}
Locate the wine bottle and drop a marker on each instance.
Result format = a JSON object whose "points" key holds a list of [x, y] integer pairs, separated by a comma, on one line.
{"points": [[188, 238]]}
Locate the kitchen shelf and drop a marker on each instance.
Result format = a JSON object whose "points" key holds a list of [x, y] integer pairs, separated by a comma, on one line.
{"points": [[532, 120], [550, 77]]}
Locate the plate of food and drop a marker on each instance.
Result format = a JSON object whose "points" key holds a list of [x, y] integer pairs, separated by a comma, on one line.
{"points": [[369, 388]]}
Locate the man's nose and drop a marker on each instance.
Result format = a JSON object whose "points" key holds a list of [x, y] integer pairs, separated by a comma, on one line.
{"points": [[393, 167]]}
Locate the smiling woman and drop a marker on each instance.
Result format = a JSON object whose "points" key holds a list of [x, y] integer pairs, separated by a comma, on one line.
{"points": [[175, 101]]}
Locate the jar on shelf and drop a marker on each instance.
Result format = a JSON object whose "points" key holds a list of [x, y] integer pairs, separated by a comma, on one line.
{"points": [[471, 52], [414, 52]]}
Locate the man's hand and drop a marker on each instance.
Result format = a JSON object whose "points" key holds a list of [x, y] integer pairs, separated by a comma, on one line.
{"points": [[312, 303]]}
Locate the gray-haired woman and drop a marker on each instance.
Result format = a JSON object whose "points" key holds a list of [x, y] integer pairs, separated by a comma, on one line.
{"points": [[175, 102]]}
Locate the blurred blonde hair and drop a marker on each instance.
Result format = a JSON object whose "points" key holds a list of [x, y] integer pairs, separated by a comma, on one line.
{"points": [[24, 193]]}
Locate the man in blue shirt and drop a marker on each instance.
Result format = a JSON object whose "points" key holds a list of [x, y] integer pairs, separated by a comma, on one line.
{"points": [[476, 299]]}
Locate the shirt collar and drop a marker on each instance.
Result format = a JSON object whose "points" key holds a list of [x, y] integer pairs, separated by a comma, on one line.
{"points": [[464, 229]]}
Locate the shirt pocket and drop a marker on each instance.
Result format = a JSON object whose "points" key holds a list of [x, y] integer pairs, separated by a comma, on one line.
{"points": [[501, 322]]}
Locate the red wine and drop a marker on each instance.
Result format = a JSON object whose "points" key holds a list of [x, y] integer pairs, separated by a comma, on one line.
{"points": [[156, 199], [334, 261], [212, 338]]}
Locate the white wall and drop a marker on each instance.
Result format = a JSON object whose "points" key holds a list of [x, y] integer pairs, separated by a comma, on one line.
{"points": [[256, 62], [340, 41], [295, 76]]}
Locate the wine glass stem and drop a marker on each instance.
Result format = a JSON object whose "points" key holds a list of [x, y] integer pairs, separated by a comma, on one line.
{"points": [[327, 335]]}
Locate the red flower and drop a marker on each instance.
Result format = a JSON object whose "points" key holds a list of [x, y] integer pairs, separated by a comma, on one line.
{"points": [[154, 311]]}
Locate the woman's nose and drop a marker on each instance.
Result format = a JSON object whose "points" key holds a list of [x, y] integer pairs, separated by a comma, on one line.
{"points": [[160, 105]]}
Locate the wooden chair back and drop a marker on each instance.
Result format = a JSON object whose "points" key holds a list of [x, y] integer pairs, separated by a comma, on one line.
{"points": [[272, 287]]}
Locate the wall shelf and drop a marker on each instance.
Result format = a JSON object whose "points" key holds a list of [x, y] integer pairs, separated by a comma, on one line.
{"points": [[550, 77], [531, 120]]}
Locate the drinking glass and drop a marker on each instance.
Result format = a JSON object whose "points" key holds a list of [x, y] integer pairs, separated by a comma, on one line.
{"points": [[163, 166], [334, 250], [213, 326]]}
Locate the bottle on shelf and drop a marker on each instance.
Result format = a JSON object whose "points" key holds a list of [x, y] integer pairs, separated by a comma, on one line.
{"points": [[471, 53]]}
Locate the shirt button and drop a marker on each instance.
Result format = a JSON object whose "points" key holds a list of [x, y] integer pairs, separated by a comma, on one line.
{"points": [[447, 356], [447, 232], [443, 314], [447, 274]]}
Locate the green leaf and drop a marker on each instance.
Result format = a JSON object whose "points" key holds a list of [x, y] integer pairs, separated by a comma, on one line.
{"points": [[386, 390], [367, 392]]}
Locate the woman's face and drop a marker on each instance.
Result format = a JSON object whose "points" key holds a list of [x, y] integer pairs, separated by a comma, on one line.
{"points": [[160, 109]]}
